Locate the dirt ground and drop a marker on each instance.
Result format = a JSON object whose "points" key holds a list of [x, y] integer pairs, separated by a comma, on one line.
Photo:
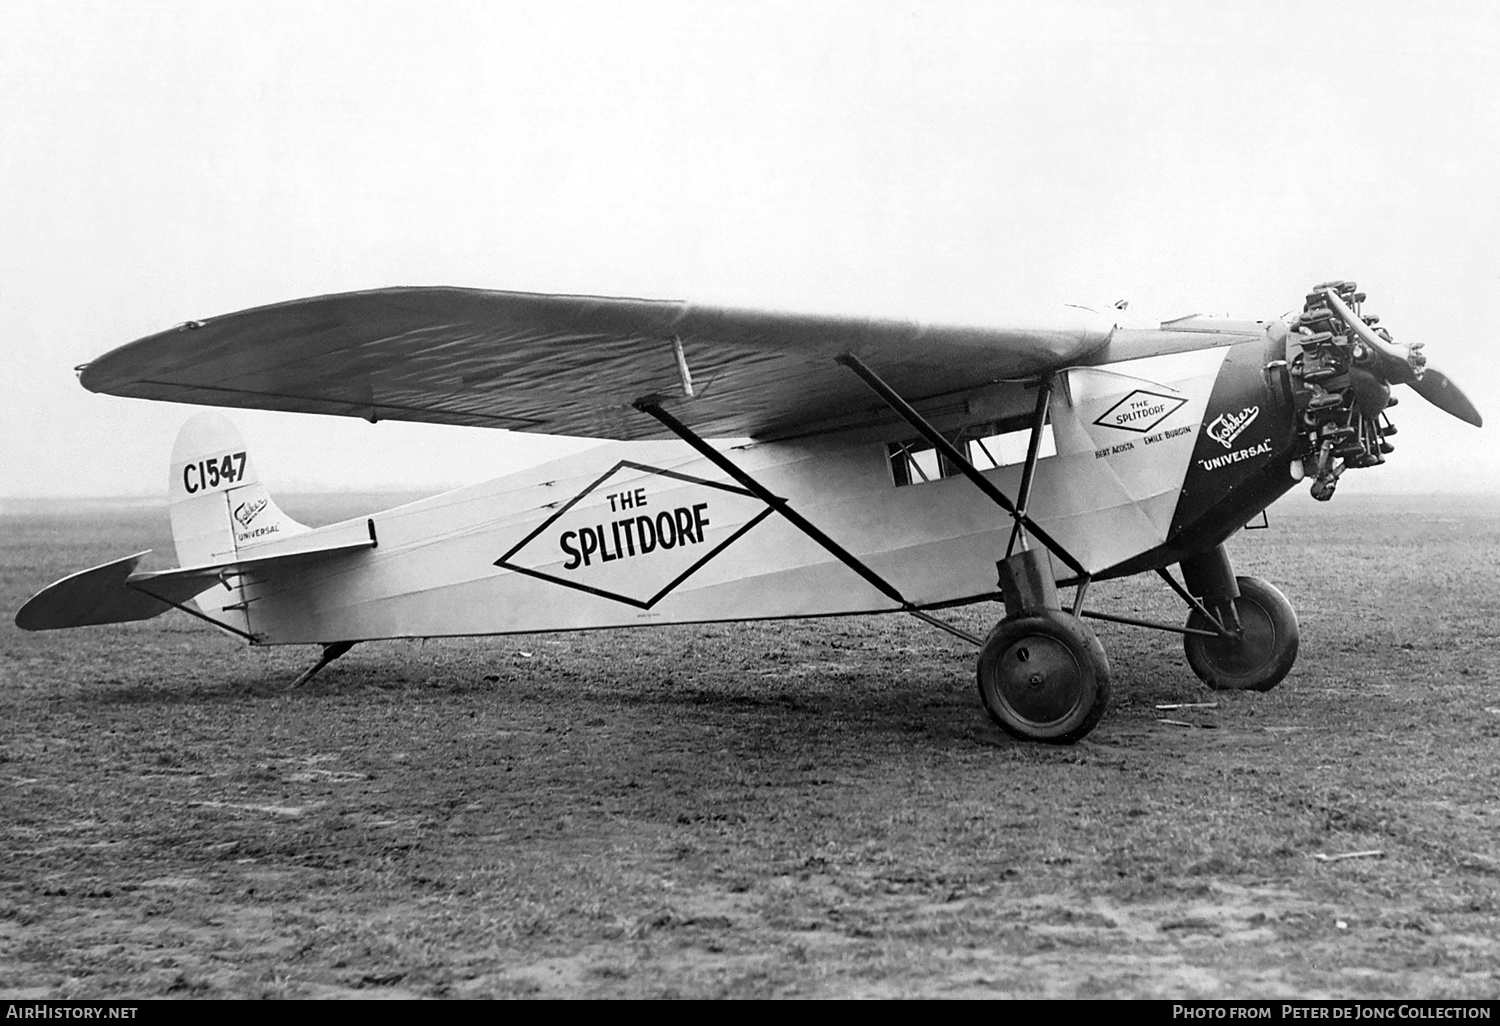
{"points": [[815, 808]]}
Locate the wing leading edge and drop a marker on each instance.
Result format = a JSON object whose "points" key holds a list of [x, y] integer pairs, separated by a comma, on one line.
{"points": [[573, 365]]}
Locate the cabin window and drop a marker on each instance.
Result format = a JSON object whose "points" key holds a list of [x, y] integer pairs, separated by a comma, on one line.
{"points": [[1003, 449], [987, 446]]}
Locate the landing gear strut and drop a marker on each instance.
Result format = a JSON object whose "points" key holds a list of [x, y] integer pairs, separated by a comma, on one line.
{"points": [[1263, 624], [1043, 676]]}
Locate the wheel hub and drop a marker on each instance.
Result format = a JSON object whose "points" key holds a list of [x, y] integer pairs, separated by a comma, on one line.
{"points": [[1044, 677], [1039, 679], [1252, 648]]}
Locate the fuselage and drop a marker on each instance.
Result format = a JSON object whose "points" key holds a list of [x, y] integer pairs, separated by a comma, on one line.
{"points": [[1161, 450]]}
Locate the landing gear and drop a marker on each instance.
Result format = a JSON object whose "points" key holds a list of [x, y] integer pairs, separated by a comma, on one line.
{"points": [[1043, 676], [1243, 634], [1265, 649]]}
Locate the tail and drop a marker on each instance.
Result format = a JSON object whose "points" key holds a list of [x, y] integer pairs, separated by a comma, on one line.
{"points": [[222, 523], [219, 507]]}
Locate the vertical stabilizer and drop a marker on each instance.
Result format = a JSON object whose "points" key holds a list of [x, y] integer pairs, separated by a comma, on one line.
{"points": [[219, 508]]}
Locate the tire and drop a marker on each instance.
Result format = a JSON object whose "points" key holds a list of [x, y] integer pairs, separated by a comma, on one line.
{"points": [[1044, 677], [1263, 657]]}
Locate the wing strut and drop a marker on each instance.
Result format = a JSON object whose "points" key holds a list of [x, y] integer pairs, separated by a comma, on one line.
{"points": [[1028, 472], [797, 520], [959, 460]]}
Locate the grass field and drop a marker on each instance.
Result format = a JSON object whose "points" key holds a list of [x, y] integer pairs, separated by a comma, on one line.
{"points": [[780, 809]]}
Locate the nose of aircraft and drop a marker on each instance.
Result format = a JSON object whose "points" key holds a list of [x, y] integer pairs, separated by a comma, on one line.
{"points": [[1343, 367]]}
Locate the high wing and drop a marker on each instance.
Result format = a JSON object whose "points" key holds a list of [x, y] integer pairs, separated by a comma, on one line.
{"points": [[574, 365]]}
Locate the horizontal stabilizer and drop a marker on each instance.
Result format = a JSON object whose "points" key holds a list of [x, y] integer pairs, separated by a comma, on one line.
{"points": [[115, 593], [94, 596]]}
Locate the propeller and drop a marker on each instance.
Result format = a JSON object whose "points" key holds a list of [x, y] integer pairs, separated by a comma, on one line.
{"points": [[1406, 365], [1438, 389]]}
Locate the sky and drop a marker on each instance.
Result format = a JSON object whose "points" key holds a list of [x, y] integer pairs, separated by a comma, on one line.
{"points": [[167, 161]]}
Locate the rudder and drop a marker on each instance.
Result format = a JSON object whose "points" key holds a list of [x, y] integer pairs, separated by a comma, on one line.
{"points": [[219, 507]]}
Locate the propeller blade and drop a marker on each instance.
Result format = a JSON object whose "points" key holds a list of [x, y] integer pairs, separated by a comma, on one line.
{"points": [[1403, 365], [1436, 388], [1396, 359]]}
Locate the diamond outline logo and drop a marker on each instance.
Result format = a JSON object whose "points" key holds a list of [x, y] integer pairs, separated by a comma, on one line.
{"points": [[504, 561], [1175, 403]]}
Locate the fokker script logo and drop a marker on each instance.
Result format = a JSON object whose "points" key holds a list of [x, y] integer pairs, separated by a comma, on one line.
{"points": [[1227, 427], [248, 511], [636, 533], [1140, 411]]}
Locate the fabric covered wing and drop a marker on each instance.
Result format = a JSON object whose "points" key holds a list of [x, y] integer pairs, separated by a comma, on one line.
{"points": [[573, 365]]}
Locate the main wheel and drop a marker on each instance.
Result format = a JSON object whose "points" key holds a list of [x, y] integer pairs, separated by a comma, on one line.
{"points": [[1259, 659], [1044, 677]]}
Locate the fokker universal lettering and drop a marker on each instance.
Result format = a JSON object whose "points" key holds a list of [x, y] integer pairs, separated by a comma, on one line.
{"points": [[1215, 462], [1227, 427]]}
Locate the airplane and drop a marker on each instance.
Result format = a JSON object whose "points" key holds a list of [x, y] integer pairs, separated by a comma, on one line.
{"points": [[763, 464]]}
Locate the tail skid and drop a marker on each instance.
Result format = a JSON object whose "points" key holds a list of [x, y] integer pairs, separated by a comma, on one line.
{"points": [[330, 653]]}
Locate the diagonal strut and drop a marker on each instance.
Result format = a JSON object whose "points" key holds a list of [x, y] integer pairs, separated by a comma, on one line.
{"points": [[804, 525]]}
